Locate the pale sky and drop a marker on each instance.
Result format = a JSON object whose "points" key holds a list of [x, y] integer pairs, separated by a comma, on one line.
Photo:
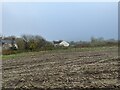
{"points": [[59, 0], [60, 20]]}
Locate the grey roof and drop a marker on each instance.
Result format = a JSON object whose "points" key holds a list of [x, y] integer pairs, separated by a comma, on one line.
{"points": [[57, 42], [6, 41]]}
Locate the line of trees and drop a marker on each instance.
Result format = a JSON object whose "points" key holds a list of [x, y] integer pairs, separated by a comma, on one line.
{"points": [[38, 43], [33, 43], [95, 42], [28, 43]]}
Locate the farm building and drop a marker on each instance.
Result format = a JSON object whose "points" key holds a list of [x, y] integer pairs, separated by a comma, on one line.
{"points": [[61, 43], [8, 44]]}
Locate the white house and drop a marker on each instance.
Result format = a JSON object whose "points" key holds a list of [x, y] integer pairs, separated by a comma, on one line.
{"points": [[7, 44], [61, 43]]}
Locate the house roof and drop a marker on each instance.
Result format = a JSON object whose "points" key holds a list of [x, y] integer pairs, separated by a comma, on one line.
{"points": [[6, 41], [61, 43], [57, 42]]}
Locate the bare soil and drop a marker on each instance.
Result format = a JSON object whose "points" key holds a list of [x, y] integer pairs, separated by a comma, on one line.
{"points": [[63, 70]]}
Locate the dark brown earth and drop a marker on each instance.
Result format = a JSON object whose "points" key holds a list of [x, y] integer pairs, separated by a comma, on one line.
{"points": [[63, 69]]}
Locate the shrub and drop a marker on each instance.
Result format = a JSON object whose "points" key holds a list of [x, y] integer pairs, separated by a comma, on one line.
{"points": [[8, 52]]}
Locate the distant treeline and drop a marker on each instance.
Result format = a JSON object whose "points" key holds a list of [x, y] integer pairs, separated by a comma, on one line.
{"points": [[95, 42], [38, 43]]}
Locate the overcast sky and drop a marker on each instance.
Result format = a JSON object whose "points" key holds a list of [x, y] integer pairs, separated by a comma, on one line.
{"points": [[60, 20]]}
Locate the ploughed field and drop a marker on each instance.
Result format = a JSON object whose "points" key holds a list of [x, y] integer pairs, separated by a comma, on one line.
{"points": [[83, 68]]}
